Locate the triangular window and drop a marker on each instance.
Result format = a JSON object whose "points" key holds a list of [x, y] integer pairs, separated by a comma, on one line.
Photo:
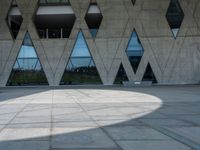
{"points": [[149, 75], [81, 68], [27, 69], [121, 75]]}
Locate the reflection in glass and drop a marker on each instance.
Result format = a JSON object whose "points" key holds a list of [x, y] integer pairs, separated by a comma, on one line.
{"points": [[134, 51], [81, 68], [121, 75], [149, 75], [27, 69], [175, 16]]}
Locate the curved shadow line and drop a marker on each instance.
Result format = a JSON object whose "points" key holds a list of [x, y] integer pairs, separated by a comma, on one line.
{"points": [[85, 135]]}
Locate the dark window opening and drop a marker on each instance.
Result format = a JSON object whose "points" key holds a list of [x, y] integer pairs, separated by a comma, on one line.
{"points": [[14, 20], [149, 75], [54, 21], [81, 68], [175, 16], [93, 18], [121, 75]]}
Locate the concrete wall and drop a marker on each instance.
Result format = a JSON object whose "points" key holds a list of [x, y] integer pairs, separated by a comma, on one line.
{"points": [[174, 61]]}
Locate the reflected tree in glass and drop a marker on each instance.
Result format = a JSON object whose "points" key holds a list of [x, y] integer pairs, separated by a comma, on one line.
{"points": [[27, 69], [81, 68]]}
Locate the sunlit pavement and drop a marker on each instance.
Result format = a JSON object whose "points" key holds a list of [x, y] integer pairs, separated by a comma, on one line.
{"points": [[100, 118]]}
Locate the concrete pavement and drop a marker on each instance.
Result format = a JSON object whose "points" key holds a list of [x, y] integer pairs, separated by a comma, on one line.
{"points": [[100, 118]]}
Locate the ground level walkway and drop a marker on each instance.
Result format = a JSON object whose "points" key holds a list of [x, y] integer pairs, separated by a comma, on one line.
{"points": [[100, 118]]}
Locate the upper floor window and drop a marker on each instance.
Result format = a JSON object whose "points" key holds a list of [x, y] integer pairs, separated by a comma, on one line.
{"points": [[14, 19]]}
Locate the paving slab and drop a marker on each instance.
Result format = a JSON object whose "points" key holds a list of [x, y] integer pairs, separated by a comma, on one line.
{"points": [[191, 133], [135, 133], [100, 118], [23, 134], [25, 145], [152, 145], [81, 138], [165, 122]]}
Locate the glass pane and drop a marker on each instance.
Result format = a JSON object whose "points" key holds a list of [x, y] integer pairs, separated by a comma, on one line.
{"points": [[14, 20], [27, 52], [93, 18], [81, 68], [121, 75], [80, 48], [175, 16], [94, 32], [149, 75], [134, 51], [27, 69]]}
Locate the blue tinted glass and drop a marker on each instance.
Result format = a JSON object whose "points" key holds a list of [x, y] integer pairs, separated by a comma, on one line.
{"points": [[81, 68], [134, 51], [28, 64], [80, 48], [93, 32], [27, 40], [27, 52], [27, 69], [81, 62], [27, 58], [134, 43]]}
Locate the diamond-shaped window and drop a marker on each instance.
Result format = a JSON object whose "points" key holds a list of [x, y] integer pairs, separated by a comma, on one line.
{"points": [[54, 19], [93, 18], [27, 69], [175, 16], [134, 51], [81, 68], [14, 19]]}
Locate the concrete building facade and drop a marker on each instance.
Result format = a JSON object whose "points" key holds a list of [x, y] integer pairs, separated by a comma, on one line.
{"points": [[173, 60]]}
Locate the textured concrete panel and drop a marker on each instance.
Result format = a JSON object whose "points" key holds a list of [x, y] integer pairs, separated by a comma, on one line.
{"points": [[173, 61]]}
